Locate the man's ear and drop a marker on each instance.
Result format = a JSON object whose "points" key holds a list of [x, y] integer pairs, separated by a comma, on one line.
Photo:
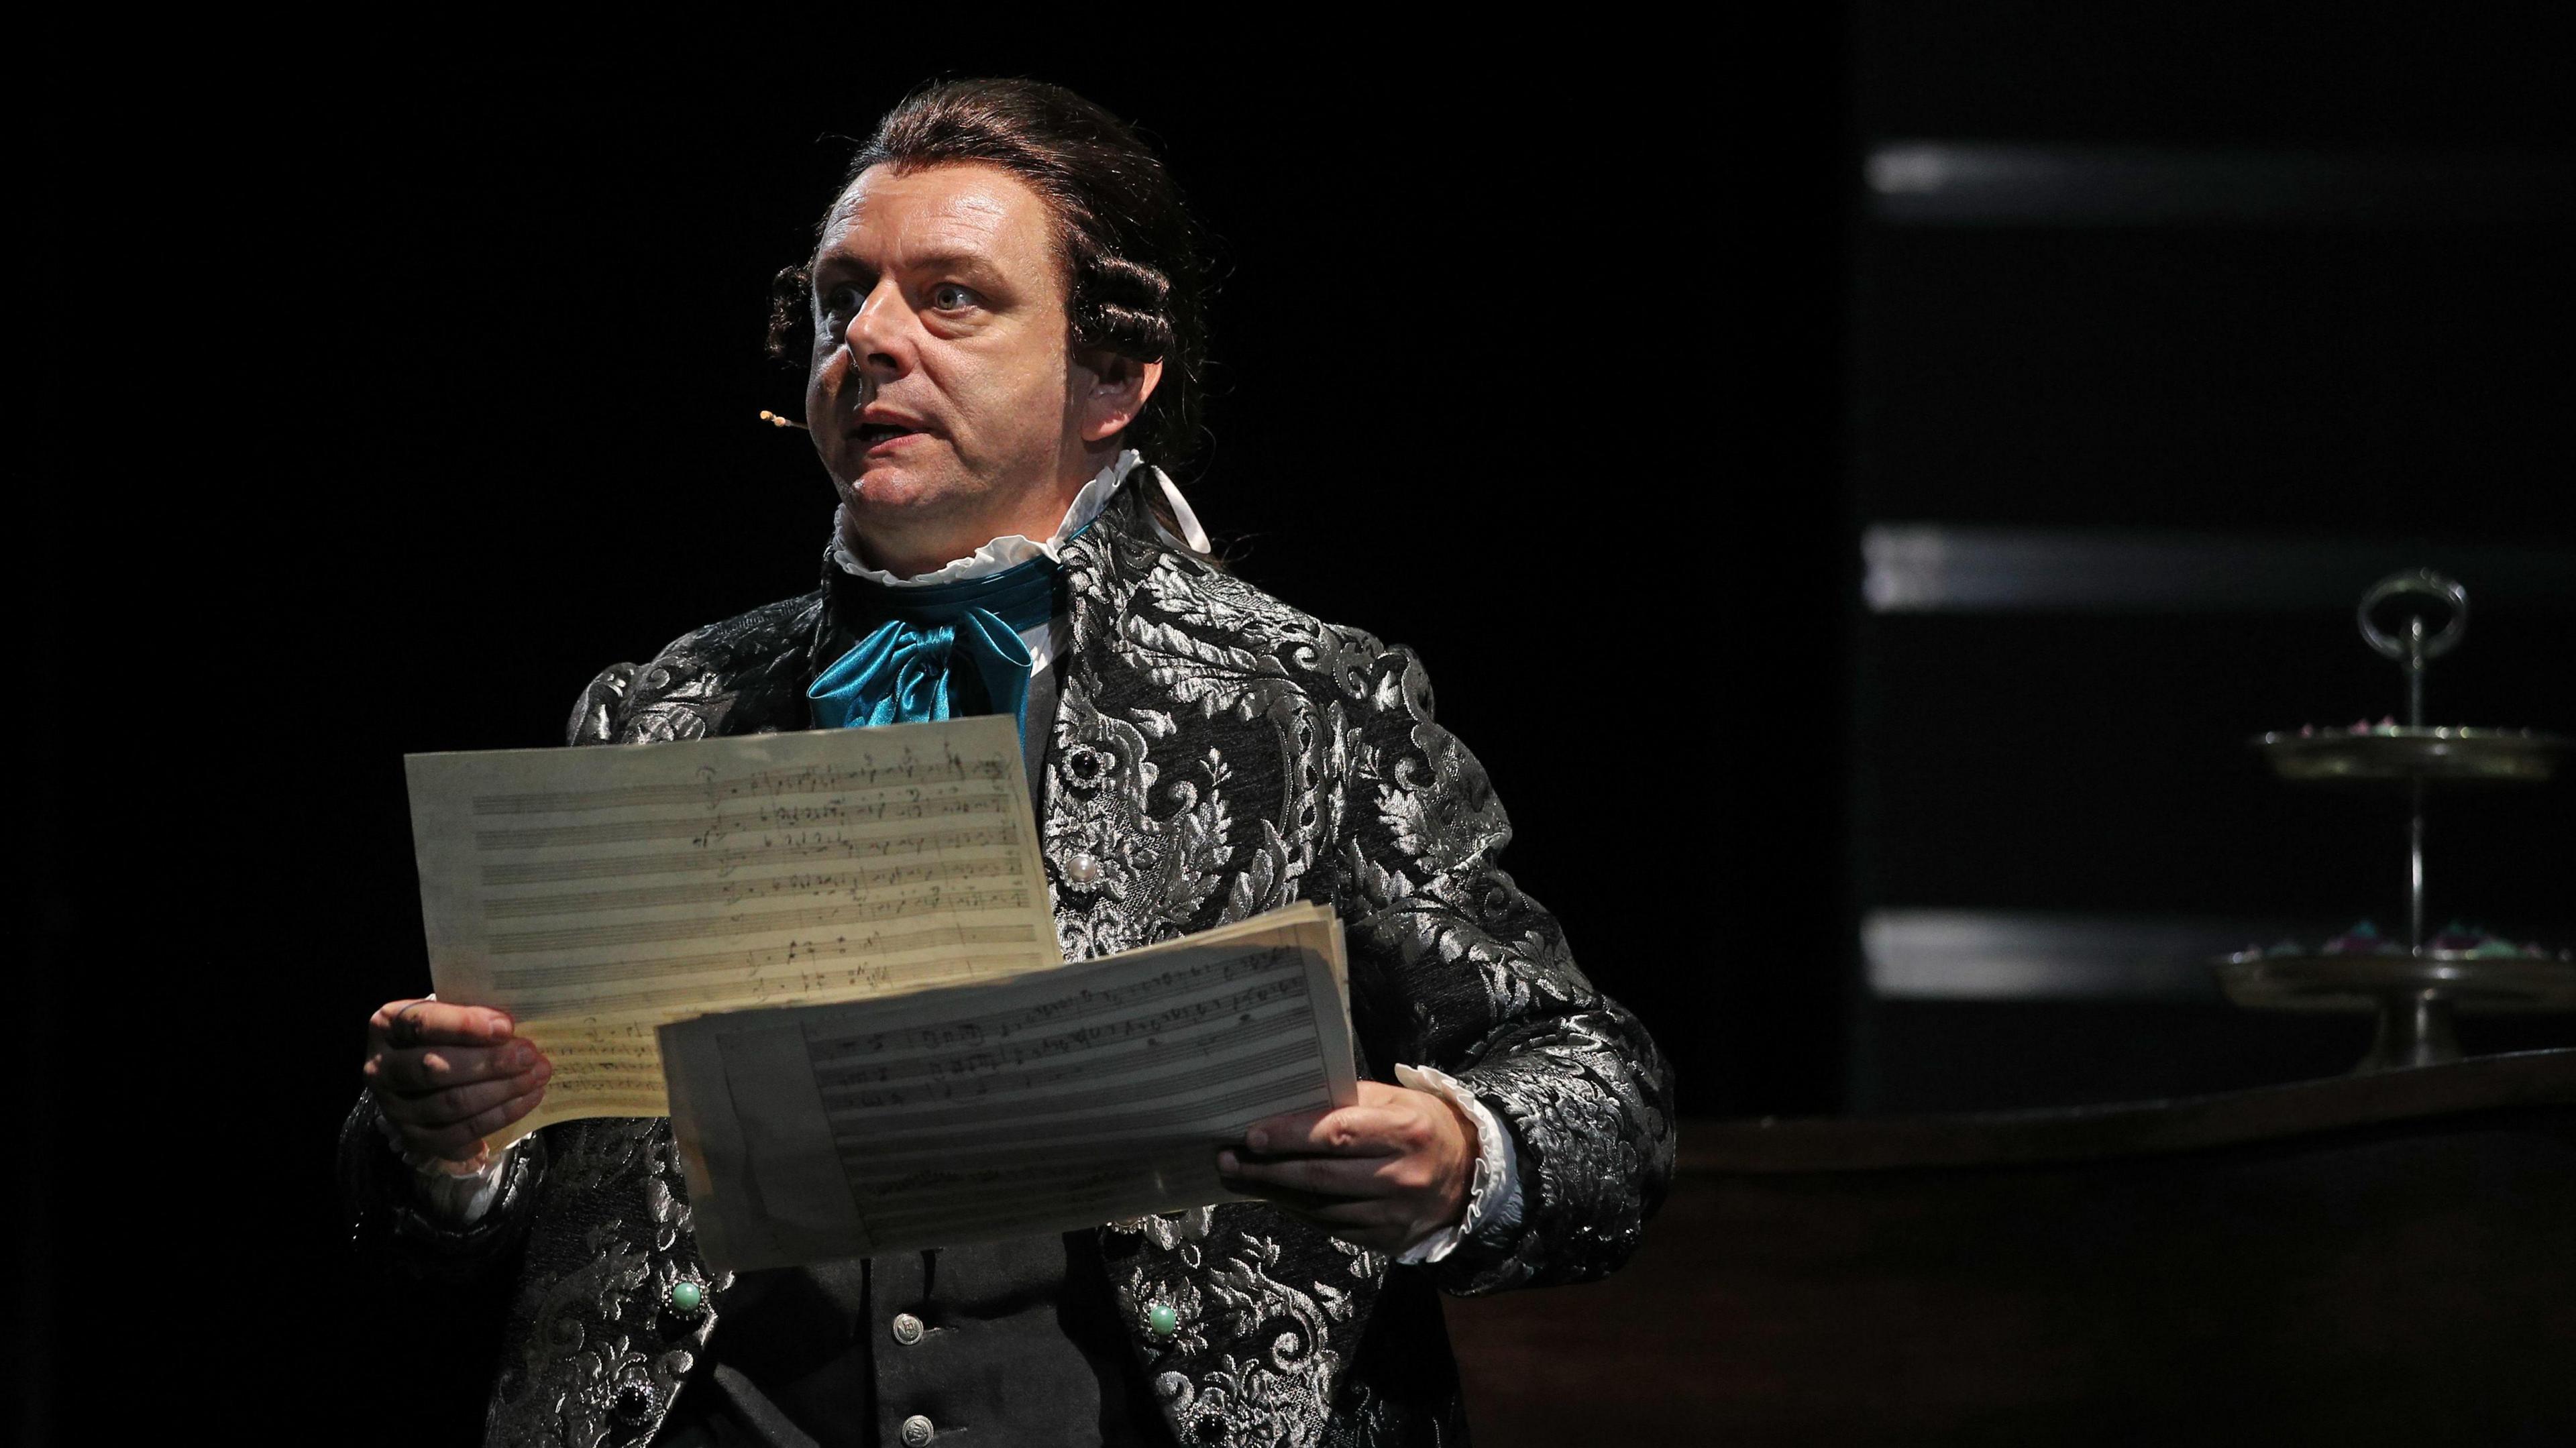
{"points": [[1119, 387]]}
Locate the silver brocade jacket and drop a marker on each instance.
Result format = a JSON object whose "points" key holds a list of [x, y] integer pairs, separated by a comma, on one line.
{"points": [[1215, 754]]}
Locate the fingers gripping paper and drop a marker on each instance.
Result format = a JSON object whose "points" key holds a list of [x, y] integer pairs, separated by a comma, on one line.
{"points": [[596, 894], [1035, 1104]]}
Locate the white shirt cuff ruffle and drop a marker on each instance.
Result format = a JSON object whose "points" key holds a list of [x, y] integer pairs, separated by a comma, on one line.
{"points": [[1494, 1193], [456, 1198], [464, 1199]]}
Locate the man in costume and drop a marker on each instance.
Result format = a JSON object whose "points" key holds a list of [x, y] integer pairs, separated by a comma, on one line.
{"points": [[1005, 314]]}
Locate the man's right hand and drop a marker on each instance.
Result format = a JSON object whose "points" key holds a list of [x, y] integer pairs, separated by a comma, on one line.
{"points": [[448, 1076]]}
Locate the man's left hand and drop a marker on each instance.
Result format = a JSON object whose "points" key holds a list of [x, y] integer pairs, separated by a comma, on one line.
{"points": [[1385, 1173]]}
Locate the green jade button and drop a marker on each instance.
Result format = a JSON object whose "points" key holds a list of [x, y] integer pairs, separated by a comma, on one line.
{"points": [[1162, 1319], [687, 1295]]}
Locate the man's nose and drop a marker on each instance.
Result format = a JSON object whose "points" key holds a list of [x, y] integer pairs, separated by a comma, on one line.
{"points": [[878, 334]]}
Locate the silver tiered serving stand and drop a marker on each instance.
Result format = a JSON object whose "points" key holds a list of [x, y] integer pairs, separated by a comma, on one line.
{"points": [[2416, 993]]}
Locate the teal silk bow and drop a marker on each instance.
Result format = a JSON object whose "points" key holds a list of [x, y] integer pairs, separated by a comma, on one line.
{"points": [[909, 669]]}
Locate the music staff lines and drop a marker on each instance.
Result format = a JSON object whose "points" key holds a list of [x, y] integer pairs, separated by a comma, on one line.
{"points": [[873, 1157], [843, 1075], [787, 986], [1046, 1166], [1053, 1028], [614, 1103], [753, 887], [766, 783], [827, 846], [612, 1065], [1196, 1073], [866, 944], [754, 922], [1112, 1001], [709, 829], [1050, 1162], [935, 1050]]}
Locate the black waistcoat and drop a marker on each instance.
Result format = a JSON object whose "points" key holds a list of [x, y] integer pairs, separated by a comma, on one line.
{"points": [[1007, 1343]]}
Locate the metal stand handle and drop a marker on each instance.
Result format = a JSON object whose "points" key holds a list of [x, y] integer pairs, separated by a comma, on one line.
{"points": [[2414, 648]]}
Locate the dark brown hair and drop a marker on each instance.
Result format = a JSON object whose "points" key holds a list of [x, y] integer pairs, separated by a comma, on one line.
{"points": [[1131, 251]]}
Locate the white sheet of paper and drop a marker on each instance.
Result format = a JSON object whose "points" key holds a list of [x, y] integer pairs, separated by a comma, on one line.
{"points": [[596, 894], [972, 1113]]}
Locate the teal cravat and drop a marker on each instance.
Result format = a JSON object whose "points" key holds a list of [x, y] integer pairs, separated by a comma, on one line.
{"points": [[943, 651]]}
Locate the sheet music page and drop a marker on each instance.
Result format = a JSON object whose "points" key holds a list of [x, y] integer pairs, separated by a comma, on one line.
{"points": [[597, 893], [1043, 1103]]}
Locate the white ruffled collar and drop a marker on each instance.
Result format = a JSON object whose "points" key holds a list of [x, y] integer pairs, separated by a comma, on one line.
{"points": [[1016, 549]]}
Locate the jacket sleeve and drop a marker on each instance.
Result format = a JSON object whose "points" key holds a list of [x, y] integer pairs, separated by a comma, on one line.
{"points": [[1454, 966], [400, 1236]]}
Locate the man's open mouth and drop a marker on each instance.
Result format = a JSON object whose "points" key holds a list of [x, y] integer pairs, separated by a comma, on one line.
{"points": [[870, 434]]}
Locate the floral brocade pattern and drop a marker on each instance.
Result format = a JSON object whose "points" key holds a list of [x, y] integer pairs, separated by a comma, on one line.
{"points": [[594, 1352], [1213, 754]]}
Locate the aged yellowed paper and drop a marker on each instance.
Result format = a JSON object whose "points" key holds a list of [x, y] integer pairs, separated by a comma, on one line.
{"points": [[596, 894]]}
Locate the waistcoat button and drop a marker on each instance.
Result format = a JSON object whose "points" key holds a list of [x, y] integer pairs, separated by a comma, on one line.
{"points": [[633, 1399], [916, 1431], [907, 1328]]}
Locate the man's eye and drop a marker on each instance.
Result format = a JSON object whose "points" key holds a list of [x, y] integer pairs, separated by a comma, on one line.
{"points": [[950, 297], [842, 300]]}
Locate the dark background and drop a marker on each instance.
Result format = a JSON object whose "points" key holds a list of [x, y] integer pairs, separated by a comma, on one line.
{"points": [[395, 396]]}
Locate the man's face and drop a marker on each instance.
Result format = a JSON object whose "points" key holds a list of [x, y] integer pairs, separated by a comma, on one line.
{"points": [[943, 391]]}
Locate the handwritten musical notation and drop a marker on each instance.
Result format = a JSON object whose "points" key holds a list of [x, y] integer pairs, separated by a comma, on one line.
{"points": [[597, 894], [1002, 1108]]}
